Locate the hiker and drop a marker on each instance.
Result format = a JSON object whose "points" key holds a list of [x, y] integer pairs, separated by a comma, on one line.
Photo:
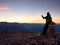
{"points": [[48, 21]]}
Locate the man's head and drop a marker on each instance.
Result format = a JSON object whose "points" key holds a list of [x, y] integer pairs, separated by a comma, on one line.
{"points": [[48, 14]]}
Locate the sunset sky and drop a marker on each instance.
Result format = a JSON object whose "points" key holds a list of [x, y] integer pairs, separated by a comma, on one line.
{"points": [[29, 11]]}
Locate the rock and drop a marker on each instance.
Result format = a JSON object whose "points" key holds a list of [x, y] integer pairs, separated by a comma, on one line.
{"points": [[51, 30]]}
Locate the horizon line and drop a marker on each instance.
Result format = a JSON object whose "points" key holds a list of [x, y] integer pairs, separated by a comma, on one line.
{"points": [[25, 22]]}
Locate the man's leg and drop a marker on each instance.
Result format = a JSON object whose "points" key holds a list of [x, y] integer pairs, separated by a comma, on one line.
{"points": [[45, 29]]}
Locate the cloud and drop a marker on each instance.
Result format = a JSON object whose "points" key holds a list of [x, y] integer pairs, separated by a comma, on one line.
{"points": [[17, 17], [13, 17], [34, 15], [38, 21], [4, 8]]}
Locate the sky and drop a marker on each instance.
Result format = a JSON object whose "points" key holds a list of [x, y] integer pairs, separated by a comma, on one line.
{"points": [[29, 11]]}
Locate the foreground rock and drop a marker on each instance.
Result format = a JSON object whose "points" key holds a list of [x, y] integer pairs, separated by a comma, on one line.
{"points": [[27, 38]]}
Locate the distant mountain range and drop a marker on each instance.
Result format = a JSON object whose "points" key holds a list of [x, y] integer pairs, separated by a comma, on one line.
{"points": [[25, 26]]}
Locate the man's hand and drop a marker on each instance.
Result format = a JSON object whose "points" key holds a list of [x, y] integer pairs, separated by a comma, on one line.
{"points": [[42, 15]]}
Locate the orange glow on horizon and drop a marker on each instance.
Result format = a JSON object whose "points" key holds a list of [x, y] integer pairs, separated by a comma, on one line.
{"points": [[16, 17], [29, 21], [57, 21]]}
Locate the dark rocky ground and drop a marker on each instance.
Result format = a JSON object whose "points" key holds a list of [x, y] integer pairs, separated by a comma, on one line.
{"points": [[10, 37]]}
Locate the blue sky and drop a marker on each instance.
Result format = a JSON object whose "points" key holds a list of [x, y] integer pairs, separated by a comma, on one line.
{"points": [[28, 11]]}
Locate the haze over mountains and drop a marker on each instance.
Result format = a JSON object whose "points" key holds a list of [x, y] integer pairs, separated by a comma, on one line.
{"points": [[25, 26]]}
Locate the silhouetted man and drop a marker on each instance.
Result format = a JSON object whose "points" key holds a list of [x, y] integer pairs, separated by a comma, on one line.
{"points": [[48, 21]]}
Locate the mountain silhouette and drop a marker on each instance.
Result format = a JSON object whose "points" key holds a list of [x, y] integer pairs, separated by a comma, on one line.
{"points": [[24, 26]]}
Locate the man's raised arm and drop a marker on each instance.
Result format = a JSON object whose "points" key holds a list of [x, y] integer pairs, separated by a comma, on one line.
{"points": [[43, 17]]}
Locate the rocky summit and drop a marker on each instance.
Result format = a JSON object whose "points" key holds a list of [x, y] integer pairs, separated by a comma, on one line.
{"points": [[9, 37]]}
